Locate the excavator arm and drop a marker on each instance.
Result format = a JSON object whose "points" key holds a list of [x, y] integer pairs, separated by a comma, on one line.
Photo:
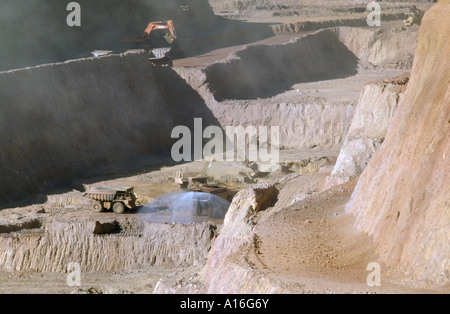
{"points": [[158, 26], [153, 26]]}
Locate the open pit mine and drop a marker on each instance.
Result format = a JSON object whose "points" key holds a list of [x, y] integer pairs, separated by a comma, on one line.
{"points": [[118, 175]]}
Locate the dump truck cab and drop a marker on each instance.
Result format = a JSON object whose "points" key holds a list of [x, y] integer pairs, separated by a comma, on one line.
{"points": [[117, 200]]}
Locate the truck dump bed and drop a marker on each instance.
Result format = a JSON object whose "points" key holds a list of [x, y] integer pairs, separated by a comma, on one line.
{"points": [[105, 194]]}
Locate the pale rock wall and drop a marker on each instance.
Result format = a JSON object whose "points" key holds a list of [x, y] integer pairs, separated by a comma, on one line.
{"points": [[377, 105], [58, 243]]}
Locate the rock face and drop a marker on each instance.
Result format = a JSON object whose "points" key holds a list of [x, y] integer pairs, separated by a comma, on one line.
{"points": [[402, 198], [376, 107], [236, 236]]}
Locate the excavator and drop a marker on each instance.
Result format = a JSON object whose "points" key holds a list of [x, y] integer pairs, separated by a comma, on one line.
{"points": [[161, 57], [161, 25]]}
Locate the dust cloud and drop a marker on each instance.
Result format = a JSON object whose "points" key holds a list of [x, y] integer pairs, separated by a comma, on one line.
{"points": [[185, 207]]}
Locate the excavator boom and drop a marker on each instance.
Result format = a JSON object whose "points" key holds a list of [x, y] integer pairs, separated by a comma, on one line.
{"points": [[152, 26]]}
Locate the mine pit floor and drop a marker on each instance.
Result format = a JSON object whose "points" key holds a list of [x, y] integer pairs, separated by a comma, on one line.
{"points": [[70, 209]]}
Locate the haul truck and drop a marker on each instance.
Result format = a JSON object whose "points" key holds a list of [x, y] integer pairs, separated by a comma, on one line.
{"points": [[119, 200]]}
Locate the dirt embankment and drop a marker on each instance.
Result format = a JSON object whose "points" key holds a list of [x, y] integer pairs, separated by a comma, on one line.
{"points": [[51, 244], [402, 198], [256, 74], [265, 71], [62, 122], [376, 107]]}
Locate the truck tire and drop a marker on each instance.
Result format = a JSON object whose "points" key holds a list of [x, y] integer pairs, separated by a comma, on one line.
{"points": [[97, 207], [119, 208]]}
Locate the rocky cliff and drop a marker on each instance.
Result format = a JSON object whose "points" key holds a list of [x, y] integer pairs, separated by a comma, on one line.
{"points": [[402, 198]]}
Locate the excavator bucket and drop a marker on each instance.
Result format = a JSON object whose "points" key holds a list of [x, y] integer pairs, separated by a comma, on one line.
{"points": [[169, 38]]}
